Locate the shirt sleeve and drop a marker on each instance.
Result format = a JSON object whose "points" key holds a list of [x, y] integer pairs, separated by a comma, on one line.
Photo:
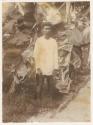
{"points": [[36, 53], [35, 49], [56, 56]]}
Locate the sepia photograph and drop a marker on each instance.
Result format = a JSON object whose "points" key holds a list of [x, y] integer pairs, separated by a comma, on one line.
{"points": [[46, 62]]}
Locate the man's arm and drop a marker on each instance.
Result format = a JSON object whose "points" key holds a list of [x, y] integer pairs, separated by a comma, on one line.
{"points": [[35, 56], [35, 50], [56, 67], [56, 56]]}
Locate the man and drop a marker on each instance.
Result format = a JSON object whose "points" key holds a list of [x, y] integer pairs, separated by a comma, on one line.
{"points": [[46, 60]]}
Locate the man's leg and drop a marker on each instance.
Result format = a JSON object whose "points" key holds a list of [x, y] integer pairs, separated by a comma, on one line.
{"points": [[51, 85], [36, 85], [39, 85]]}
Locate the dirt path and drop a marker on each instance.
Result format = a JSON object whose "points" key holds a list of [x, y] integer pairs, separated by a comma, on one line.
{"points": [[77, 111]]}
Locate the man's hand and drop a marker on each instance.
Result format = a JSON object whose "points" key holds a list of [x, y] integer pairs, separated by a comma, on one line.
{"points": [[55, 72], [39, 71]]}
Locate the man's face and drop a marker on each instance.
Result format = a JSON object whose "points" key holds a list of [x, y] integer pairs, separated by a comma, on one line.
{"points": [[46, 30]]}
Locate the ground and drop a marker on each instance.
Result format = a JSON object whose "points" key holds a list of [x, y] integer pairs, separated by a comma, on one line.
{"points": [[21, 107]]}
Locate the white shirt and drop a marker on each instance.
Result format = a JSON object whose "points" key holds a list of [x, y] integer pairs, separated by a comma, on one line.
{"points": [[46, 55]]}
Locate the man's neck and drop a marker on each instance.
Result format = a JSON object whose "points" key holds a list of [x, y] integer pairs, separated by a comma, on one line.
{"points": [[46, 37]]}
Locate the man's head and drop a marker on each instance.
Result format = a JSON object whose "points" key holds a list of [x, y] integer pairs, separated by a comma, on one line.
{"points": [[46, 29]]}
